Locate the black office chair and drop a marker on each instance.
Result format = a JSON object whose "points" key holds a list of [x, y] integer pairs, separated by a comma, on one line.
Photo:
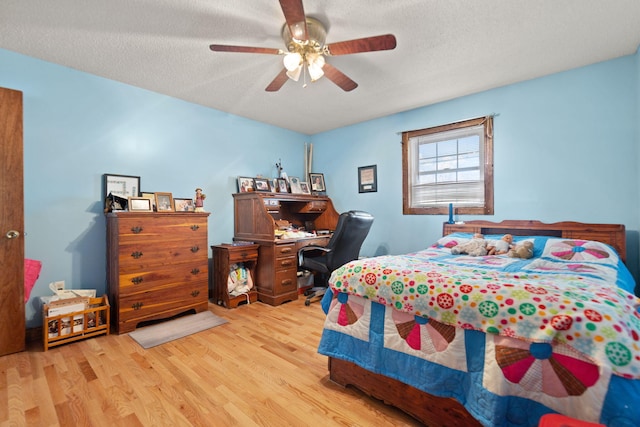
{"points": [[344, 246]]}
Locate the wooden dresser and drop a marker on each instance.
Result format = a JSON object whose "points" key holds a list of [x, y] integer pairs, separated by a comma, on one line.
{"points": [[157, 265], [255, 216]]}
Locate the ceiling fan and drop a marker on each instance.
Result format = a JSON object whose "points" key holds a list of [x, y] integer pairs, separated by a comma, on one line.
{"points": [[304, 38]]}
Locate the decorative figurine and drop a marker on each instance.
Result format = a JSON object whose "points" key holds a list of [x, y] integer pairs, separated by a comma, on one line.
{"points": [[200, 200]]}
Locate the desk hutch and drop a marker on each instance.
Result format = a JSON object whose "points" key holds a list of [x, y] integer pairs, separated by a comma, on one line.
{"points": [[255, 216]]}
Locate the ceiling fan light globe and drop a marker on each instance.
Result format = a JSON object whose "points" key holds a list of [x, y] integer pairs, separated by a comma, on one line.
{"points": [[315, 59], [292, 61], [315, 72], [294, 74]]}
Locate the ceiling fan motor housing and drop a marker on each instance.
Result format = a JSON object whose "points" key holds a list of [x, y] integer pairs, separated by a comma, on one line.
{"points": [[316, 35]]}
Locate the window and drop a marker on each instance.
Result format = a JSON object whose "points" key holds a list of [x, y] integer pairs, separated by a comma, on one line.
{"points": [[449, 164]]}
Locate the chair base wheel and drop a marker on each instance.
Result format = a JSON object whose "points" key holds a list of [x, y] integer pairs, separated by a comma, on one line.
{"points": [[307, 302]]}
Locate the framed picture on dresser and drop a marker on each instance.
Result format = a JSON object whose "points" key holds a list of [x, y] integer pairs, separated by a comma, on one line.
{"points": [[140, 204], [164, 202], [184, 205], [123, 186]]}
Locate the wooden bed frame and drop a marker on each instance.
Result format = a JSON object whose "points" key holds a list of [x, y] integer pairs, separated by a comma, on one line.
{"points": [[438, 411]]}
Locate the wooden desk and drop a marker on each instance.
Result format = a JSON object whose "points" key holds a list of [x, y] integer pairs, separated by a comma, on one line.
{"points": [[255, 219]]}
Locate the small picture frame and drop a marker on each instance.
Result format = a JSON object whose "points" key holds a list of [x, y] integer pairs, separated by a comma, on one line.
{"points": [[124, 186], [150, 196], [261, 184], [282, 186], [304, 186], [164, 202], [317, 182], [140, 204], [294, 182], [184, 205], [245, 184], [368, 179]]}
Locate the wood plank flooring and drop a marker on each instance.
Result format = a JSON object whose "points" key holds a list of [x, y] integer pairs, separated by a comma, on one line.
{"points": [[259, 369]]}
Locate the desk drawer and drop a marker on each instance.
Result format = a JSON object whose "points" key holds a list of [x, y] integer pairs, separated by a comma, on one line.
{"points": [[285, 281], [285, 250], [285, 263]]}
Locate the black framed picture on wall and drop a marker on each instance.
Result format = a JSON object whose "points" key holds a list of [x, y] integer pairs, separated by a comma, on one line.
{"points": [[368, 179]]}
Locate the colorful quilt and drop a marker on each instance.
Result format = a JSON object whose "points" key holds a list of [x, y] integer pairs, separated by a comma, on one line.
{"points": [[511, 339]]}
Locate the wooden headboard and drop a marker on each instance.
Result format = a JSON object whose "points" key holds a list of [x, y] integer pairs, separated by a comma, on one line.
{"points": [[611, 234]]}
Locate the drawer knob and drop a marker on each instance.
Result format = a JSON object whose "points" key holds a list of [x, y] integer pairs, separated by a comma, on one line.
{"points": [[286, 263], [137, 306], [287, 282], [136, 254], [195, 227], [136, 229], [195, 293], [195, 249], [195, 271], [137, 280], [285, 250]]}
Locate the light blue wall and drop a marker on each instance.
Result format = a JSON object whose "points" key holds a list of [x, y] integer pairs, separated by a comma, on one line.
{"points": [[78, 126], [566, 148]]}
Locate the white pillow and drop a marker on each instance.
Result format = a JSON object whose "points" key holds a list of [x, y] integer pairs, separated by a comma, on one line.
{"points": [[450, 241]]}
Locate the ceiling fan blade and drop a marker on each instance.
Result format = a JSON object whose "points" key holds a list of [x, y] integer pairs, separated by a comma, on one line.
{"points": [[277, 83], [339, 78], [296, 20], [367, 44], [244, 49]]}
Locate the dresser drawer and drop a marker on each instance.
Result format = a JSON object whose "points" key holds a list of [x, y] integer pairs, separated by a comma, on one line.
{"points": [[145, 304], [285, 281], [142, 280], [132, 257], [161, 229]]}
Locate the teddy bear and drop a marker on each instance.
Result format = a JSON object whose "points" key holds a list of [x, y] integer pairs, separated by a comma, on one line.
{"points": [[474, 247], [522, 250], [502, 246]]}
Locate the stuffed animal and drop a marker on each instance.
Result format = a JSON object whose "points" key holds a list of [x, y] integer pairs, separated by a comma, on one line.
{"points": [[502, 246], [522, 250], [474, 247]]}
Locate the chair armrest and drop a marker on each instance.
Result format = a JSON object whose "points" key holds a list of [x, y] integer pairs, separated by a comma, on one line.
{"points": [[310, 248]]}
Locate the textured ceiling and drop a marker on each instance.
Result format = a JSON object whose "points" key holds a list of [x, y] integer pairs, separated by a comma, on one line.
{"points": [[445, 49]]}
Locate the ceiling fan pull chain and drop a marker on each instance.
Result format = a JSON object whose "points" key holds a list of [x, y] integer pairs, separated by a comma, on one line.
{"points": [[304, 74]]}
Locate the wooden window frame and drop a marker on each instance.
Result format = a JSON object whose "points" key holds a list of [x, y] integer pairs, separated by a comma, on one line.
{"points": [[487, 208]]}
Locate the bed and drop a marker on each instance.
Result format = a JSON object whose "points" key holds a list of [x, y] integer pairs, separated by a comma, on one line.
{"points": [[492, 340]]}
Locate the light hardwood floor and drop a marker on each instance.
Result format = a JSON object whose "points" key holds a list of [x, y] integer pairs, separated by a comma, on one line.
{"points": [[259, 369]]}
